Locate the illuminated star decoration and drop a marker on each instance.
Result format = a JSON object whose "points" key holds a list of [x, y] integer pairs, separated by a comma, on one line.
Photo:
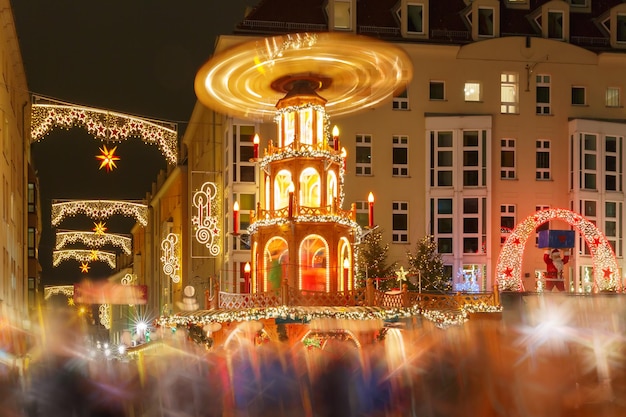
{"points": [[401, 274], [84, 267], [94, 255], [70, 302], [99, 228], [108, 158]]}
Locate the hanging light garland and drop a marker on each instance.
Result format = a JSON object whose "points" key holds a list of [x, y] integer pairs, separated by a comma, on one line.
{"points": [[509, 267], [83, 255], [47, 114], [99, 209], [93, 240], [66, 290]]}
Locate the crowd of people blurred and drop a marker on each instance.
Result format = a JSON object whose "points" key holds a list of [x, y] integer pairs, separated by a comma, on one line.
{"points": [[560, 361]]}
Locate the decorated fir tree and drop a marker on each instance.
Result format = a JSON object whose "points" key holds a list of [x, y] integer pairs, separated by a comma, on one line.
{"points": [[373, 261], [426, 263]]}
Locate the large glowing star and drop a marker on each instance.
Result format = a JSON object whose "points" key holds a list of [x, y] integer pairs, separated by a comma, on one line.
{"points": [[108, 158], [84, 267], [99, 228]]}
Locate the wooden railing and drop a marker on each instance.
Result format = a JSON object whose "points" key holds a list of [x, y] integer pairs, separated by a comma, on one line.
{"points": [[368, 296]]}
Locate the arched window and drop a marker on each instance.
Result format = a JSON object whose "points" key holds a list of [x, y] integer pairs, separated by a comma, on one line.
{"points": [[345, 281], [314, 264], [276, 263], [331, 187], [310, 188], [281, 189]]}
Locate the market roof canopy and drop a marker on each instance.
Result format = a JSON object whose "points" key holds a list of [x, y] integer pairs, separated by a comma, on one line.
{"points": [[354, 73]]}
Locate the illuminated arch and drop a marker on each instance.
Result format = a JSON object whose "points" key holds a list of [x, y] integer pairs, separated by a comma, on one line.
{"points": [[313, 256], [83, 255], [276, 263], [310, 188], [93, 240], [281, 189], [344, 253], [99, 209], [331, 187], [50, 290], [102, 124], [509, 267]]}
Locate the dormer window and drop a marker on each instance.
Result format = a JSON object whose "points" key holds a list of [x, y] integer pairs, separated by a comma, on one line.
{"points": [[482, 16], [552, 20], [613, 24], [340, 14], [413, 18], [620, 28]]}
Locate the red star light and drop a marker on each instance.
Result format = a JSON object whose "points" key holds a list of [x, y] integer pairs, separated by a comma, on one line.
{"points": [[607, 272], [508, 272], [108, 158]]}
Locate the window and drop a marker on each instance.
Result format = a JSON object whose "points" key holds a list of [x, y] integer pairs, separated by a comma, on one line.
{"points": [[437, 90], [474, 158], [543, 94], [578, 3], [342, 14], [415, 18], [400, 222], [545, 226], [508, 93], [612, 163], [555, 24], [485, 21], [507, 221], [542, 160], [589, 209], [620, 30], [362, 213], [474, 225], [32, 237], [507, 158], [400, 167], [441, 159], [589, 162], [31, 197], [612, 225], [578, 96], [363, 155], [612, 97], [401, 100], [443, 224], [472, 91], [243, 151]]}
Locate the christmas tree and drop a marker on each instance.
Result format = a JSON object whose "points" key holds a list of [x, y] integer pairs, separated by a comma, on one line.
{"points": [[372, 260], [427, 264]]}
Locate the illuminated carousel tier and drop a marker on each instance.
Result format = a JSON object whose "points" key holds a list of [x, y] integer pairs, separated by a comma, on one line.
{"points": [[350, 72]]}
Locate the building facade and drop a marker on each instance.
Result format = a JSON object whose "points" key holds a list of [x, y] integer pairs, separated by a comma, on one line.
{"points": [[20, 227]]}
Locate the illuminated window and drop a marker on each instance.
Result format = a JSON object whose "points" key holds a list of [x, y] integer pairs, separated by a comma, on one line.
{"points": [[342, 14], [314, 264], [310, 188], [612, 97], [508, 93], [281, 189], [472, 91]]}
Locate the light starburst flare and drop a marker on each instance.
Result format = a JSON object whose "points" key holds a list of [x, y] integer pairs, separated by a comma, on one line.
{"points": [[99, 228], [84, 267], [108, 158]]}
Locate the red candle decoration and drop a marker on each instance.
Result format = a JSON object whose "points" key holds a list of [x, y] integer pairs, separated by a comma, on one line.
{"points": [[370, 199], [255, 141], [236, 217], [336, 138]]}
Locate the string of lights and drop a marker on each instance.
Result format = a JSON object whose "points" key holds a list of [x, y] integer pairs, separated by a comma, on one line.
{"points": [[83, 255], [98, 209], [93, 240], [509, 268], [102, 124]]}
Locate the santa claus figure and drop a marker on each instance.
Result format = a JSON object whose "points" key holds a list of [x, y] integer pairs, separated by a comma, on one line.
{"points": [[554, 268]]}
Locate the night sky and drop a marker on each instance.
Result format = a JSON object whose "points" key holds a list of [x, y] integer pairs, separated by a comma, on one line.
{"points": [[131, 56]]}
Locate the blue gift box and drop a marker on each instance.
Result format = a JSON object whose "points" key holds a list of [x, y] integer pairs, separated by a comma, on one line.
{"points": [[560, 239]]}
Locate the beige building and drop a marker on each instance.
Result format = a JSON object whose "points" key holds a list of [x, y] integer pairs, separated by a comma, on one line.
{"points": [[20, 227]]}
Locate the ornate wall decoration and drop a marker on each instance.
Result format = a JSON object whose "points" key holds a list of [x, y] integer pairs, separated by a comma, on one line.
{"points": [[169, 257], [205, 221]]}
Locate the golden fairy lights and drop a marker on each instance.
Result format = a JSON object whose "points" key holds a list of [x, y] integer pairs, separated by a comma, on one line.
{"points": [[93, 240], [83, 255], [104, 125], [99, 209], [509, 268]]}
